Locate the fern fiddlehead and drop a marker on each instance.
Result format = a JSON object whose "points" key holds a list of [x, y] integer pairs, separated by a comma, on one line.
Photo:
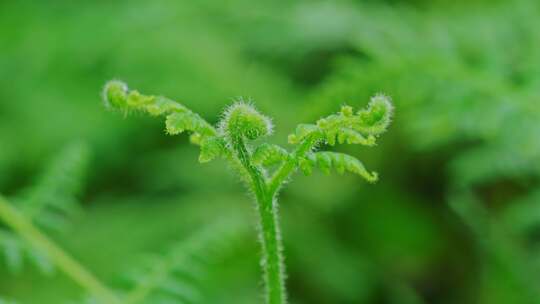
{"points": [[233, 140]]}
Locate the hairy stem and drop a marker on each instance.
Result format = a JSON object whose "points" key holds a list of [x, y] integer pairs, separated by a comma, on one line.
{"points": [[290, 165], [270, 235], [63, 260], [274, 269]]}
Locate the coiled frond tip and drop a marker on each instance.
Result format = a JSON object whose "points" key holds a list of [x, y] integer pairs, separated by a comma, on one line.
{"points": [[115, 95]]}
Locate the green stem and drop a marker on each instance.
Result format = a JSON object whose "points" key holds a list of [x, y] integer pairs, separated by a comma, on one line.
{"points": [[270, 234], [274, 269], [64, 261], [290, 165]]}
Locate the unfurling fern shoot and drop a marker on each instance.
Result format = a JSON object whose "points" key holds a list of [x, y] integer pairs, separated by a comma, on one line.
{"points": [[233, 141]]}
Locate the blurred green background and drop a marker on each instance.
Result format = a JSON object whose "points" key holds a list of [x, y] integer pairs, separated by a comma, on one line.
{"points": [[455, 217]]}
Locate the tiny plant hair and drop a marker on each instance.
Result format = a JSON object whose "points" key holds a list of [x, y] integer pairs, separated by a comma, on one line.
{"points": [[264, 167]]}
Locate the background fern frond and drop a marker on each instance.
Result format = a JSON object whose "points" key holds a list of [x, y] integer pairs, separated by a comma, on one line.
{"points": [[495, 245], [12, 249], [48, 203], [523, 218], [176, 276], [54, 196], [7, 301]]}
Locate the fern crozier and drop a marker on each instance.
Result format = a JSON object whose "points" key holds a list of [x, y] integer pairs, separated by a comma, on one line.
{"points": [[266, 167]]}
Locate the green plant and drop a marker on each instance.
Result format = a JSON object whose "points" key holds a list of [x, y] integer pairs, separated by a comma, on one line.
{"points": [[6, 301], [46, 207], [49, 204], [264, 167], [170, 277]]}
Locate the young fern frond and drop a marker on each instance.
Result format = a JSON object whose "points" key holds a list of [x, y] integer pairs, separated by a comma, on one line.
{"points": [[233, 140], [347, 127], [178, 118], [269, 155], [48, 204], [341, 162], [211, 148]]}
